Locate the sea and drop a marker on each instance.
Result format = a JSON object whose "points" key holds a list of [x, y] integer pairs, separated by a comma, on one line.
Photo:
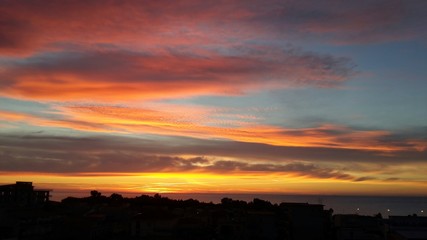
{"points": [[362, 205]]}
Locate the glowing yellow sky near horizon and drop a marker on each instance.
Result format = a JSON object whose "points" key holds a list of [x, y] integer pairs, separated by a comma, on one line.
{"points": [[212, 183]]}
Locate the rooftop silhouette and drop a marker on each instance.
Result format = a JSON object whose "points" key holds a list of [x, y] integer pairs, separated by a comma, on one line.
{"points": [[25, 215]]}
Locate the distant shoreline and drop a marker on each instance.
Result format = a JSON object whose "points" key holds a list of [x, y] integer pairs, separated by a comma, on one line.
{"points": [[341, 204]]}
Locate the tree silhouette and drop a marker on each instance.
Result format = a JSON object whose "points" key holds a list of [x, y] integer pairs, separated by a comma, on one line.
{"points": [[116, 197], [95, 194]]}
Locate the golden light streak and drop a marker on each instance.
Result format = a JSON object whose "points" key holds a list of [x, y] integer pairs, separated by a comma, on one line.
{"points": [[214, 183], [158, 122], [134, 120]]}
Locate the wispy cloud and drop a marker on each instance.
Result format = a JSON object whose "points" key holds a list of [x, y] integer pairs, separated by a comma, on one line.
{"points": [[138, 120], [125, 76]]}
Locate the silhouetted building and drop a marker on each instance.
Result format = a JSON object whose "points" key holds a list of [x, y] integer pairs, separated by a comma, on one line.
{"points": [[352, 226], [22, 194], [263, 225], [305, 221], [153, 223], [407, 228]]}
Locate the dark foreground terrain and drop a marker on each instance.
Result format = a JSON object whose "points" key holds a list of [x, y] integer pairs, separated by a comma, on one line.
{"points": [[29, 216]]}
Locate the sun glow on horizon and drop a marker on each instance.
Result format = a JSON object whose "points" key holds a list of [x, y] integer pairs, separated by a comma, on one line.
{"points": [[151, 183]]}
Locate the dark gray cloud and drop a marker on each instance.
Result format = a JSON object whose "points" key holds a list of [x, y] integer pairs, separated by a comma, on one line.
{"points": [[361, 179], [300, 169], [41, 153], [124, 161]]}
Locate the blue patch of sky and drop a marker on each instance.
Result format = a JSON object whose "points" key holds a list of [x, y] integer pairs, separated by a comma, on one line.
{"points": [[371, 105], [22, 128], [15, 105], [389, 91], [392, 82], [29, 107]]}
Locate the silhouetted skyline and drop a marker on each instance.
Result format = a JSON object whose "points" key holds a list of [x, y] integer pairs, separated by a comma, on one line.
{"points": [[26, 213]]}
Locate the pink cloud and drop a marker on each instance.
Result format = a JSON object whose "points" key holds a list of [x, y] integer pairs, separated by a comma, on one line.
{"points": [[31, 26], [123, 76]]}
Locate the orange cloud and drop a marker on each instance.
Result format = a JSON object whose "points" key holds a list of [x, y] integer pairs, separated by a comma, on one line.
{"points": [[157, 122], [200, 123], [137, 120], [15, 116], [125, 76], [11, 117]]}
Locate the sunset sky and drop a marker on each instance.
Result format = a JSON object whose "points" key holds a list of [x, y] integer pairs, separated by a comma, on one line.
{"points": [[234, 96]]}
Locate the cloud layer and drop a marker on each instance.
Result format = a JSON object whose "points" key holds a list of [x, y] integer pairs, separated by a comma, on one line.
{"points": [[147, 121], [127, 50], [127, 87], [29, 26], [124, 76], [109, 154]]}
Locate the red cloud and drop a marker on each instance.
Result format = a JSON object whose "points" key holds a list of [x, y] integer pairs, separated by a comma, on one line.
{"points": [[124, 76], [33, 25], [151, 49]]}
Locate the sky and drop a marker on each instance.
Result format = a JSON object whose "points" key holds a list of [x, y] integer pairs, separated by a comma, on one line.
{"points": [[236, 96]]}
